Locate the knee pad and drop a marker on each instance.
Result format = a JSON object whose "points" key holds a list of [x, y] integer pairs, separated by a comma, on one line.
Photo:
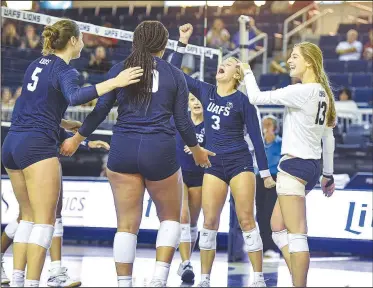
{"points": [[23, 232], [11, 228], [207, 239], [124, 247], [253, 241], [288, 185], [41, 235], [193, 234], [280, 238], [168, 234], [298, 243], [58, 228], [185, 233]]}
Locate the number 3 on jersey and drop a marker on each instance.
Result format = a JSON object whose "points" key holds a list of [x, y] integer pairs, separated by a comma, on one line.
{"points": [[32, 86], [320, 119], [216, 124]]}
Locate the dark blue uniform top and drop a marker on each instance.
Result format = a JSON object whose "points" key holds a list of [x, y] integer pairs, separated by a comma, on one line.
{"points": [[169, 98], [49, 87], [225, 118], [186, 160]]}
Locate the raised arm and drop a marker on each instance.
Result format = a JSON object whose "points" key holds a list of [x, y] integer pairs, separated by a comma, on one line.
{"points": [[291, 96], [253, 128]]}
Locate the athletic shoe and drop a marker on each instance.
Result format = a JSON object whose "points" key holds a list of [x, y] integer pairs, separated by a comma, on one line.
{"points": [[186, 272], [157, 283], [4, 280], [259, 283], [204, 283], [59, 278]]}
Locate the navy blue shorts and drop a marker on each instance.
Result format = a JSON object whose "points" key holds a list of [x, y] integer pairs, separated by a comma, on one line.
{"points": [[22, 149], [226, 166], [152, 156], [192, 179], [308, 170]]}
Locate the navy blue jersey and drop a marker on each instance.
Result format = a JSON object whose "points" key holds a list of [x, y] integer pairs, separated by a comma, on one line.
{"points": [[169, 98], [63, 135], [186, 160], [225, 118], [49, 86]]}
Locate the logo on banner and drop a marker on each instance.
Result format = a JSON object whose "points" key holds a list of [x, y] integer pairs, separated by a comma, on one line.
{"points": [[49, 20], [97, 29], [74, 202], [357, 218]]}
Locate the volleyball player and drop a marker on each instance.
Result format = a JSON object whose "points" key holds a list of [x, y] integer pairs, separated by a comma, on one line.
{"points": [[143, 149], [29, 151], [192, 197], [309, 117], [226, 112], [58, 274]]}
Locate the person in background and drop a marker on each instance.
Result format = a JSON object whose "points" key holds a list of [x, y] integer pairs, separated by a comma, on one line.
{"points": [[98, 62], [266, 198], [218, 36], [105, 41], [368, 47], [6, 96], [280, 7], [31, 40], [10, 36], [346, 108], [89, 40], [16, 95], [350, 49]]}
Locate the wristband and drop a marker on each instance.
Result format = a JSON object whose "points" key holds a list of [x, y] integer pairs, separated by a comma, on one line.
{"points": [[181, 44]]}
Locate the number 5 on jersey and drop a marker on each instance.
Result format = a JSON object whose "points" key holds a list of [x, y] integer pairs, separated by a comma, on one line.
{"points": [[34, 77]]}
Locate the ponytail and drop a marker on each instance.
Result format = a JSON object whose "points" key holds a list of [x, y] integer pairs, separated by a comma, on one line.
{"points": [[331, 114], [149, 37]]}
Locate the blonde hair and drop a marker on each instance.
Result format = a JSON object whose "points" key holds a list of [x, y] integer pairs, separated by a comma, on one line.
{"points": [[239, 72], [58, 35], [313, 55]]}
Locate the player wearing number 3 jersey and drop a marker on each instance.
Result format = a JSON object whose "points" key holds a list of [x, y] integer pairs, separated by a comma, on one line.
{"points": [[226, 112], [308, 118]]}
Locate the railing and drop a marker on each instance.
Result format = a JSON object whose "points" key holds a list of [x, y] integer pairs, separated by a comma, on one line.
{"points": [[364, 8], [364, 115], [303, 12], [245, 43]]}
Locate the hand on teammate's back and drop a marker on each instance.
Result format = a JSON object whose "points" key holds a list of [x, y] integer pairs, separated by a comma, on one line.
{"points": [[201, 156], [185, 31], [269, 182], [128, 76]]}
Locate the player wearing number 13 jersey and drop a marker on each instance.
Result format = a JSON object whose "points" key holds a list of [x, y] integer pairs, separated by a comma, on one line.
{"points": [[308, 118]]}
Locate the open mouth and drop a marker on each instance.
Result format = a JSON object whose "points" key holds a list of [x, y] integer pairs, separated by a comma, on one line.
{"points": [[221, 71]]}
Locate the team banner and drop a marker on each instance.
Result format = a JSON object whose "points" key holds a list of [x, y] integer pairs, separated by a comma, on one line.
{"points": [[44, 19], [345, 215]]}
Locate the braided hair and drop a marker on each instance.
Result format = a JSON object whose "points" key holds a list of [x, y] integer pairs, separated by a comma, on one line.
{"points": [[149, 37]]}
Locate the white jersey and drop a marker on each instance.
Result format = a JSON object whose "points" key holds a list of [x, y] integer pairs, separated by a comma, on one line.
{"points": [[304, 117]]}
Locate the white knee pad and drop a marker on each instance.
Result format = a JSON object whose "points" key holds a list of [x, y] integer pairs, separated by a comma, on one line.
{"points": [[193, 234], [58, 228], [11, 228], [288, 185], [298, 243], [168, 234], [185, 233], [124, 247], [207, 239], [253, 241], [42, 235], [23, 232], [280, 238]]}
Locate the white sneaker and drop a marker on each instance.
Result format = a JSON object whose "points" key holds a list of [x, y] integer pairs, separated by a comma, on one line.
{"points": [[59, 278], [4, 280], [271, 254], [156, 283], [259, 283], [186, 272], [204, 283]]}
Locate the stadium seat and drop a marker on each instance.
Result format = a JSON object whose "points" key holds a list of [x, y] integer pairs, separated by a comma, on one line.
{"points": [[361, 80], [329, 53], [334, 66], [268, 80], [72, 13], [105, 11], [122, 11], [354, 139], [140, 10], [156, 11], [329, 41], [338, 81], [358, 66], [363, 95]]}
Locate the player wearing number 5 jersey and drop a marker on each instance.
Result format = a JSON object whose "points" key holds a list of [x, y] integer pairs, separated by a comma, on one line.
{"points": [[226, 112], [29, 152], [143, 150], [309, 117]]}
